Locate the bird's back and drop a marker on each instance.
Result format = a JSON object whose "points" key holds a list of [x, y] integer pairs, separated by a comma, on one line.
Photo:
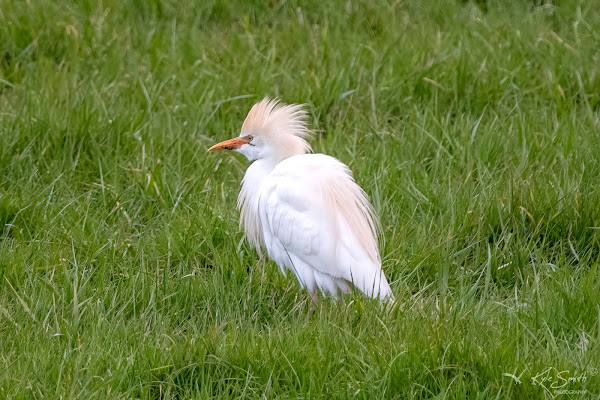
{"points": [[317, 222]]}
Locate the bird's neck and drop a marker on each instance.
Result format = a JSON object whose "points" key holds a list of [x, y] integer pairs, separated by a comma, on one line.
{"points": [[248, 199], [254, 176], [260, 168]]}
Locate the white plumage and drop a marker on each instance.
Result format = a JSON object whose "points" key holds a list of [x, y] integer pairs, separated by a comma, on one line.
{"points": [[306, 210]]}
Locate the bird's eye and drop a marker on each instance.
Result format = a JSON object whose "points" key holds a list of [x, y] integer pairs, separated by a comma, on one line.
{"points": [[250, 137]]}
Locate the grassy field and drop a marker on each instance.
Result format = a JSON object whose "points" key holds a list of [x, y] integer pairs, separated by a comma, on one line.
{"points": [[473, 127]]}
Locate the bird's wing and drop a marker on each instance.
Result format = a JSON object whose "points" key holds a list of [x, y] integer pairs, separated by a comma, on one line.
{"points": [[311, 208], [293, 215]]}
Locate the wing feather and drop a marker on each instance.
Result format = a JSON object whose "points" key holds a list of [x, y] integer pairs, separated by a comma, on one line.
{"points": [[315, 217]]}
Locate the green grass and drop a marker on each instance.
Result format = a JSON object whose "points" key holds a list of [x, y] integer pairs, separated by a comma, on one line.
{"points": [[474, 128]]}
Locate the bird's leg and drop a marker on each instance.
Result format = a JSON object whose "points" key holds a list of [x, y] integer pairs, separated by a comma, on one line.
{"points": [[313, 303]]}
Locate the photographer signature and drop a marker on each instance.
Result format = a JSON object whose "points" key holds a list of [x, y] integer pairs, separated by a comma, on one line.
{"points": [[552, 378]]}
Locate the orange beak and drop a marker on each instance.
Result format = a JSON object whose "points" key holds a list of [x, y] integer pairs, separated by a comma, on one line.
{"points": [[230, 144]]}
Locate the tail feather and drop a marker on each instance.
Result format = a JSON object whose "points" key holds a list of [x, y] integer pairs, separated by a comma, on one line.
{"points": [[372, 284]]}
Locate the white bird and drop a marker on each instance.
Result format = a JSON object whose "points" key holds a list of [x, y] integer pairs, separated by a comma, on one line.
{"points": [[305, 209]]}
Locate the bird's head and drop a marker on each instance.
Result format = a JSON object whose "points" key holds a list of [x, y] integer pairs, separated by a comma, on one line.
{"points": [[273, 131]]}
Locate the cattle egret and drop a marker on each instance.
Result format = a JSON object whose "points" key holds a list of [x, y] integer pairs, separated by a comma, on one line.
{"points": [[306, 210]]}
